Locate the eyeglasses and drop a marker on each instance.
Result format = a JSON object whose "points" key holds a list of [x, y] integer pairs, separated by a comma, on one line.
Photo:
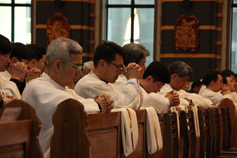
{"points": [[77, 67], [118, 67], [159, 84]]}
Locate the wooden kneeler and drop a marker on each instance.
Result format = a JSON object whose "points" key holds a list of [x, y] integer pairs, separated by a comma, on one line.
{"points": [[70, 138]]}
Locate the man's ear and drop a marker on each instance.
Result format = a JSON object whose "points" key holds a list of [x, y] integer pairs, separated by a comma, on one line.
{"points": [[101, 63], [14, 60], [174, 75], [56, 65], [33, 62], [212, 82], [149, 78]]}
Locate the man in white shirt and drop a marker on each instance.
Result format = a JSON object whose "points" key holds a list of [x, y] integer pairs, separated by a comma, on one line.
{"points": [[154, 78], [231, 74], [108, 65], [214, 87], [180, 74], [157, 73], [135, 53], [22, 55], [39, 59], [230, 82], [5, 52], [63, 63]]}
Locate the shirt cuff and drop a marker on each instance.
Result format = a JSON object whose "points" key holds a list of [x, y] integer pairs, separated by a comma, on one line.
{"points": [[20, 85], [1, 103], [167, 102], [99, 106], [133, 82]]}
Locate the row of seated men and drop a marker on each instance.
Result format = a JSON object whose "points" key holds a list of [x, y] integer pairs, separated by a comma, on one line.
{"points": [[119, 79]]}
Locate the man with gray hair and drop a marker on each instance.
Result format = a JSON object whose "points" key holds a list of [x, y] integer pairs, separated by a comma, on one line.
{"points": [[87, 67], [63, 65], [180, 74], [137, 53]]}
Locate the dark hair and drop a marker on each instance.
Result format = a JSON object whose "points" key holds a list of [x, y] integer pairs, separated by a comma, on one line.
{"points": [[21, 51], [226, 73], [158, 71], [134, 53], [181, 69], [196, 83], [39, 51], [107, 51], [5, 45], [211, 75]]}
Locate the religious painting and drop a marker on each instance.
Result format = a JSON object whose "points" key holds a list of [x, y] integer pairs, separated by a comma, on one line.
{"points": [[57, 26], [186, 32]]}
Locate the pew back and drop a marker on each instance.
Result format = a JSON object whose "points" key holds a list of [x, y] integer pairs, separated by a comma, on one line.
{"points": [[15, 139], [226, 127], [233, 120], [171, 135], [202, 134], [91, 135], [188, 133], [69, 138], [25, 129]]}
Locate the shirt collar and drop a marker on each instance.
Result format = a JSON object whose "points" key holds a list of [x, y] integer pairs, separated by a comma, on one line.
{"points": [[44, 75]]}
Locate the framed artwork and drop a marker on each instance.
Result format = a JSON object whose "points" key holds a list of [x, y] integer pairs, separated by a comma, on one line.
{"points": [[186, 34], [57, 26]]}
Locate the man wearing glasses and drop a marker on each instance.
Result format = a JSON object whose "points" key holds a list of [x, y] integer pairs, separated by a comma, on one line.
{"points": [[108, 65], [63, 64], [181, 72], [215, 90], [151, 81]]}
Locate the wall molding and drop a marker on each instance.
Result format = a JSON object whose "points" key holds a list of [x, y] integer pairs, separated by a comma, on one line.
{"points": [[214, 56], [201, 27], [82, 27]]}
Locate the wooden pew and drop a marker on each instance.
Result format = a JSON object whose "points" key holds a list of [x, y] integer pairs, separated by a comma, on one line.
{"points": [[140, 150], [15, 139], [160, 153], [188, 134], [104, 134], [99, 134], [207, 133], [171, 136], [233, 119], [20, 138], [210, 132], [226, 128], [218, 151], [70, 138], [91, 135], [202, 144]]}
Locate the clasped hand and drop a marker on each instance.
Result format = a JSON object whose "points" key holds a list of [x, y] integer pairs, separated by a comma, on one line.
{"points": [[106, 102], [133, 70]]}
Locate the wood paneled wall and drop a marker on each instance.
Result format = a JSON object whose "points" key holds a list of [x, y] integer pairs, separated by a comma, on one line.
{"points": [[81, 17], [209, 13]]}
